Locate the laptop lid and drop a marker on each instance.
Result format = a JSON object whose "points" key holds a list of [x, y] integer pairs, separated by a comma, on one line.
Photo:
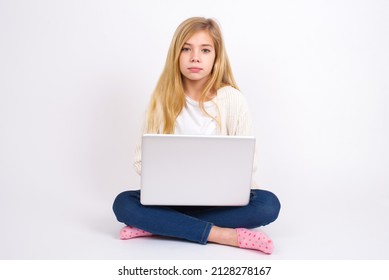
{"points": [[196, 169]]}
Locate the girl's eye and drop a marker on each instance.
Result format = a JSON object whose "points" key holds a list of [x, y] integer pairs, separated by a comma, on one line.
{"points": [[185, 49], [206, 50]]}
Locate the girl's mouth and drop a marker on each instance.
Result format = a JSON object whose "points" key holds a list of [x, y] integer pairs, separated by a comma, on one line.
{"points": [[195, 69]]}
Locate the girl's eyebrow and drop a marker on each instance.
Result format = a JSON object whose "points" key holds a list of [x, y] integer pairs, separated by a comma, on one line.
{"points": [[203, 45]]}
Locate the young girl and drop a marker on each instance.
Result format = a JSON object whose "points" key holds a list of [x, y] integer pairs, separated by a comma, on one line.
{"points": [[197, 94]]}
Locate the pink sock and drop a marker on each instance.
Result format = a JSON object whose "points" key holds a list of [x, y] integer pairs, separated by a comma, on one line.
{"points": [[129, 232], [255, 240]]}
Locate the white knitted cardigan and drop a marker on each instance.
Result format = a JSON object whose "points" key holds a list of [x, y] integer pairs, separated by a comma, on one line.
{"points": [[234, 115]]}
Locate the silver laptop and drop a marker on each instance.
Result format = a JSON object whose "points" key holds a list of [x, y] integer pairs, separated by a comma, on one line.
{"points": [[196, 170]]}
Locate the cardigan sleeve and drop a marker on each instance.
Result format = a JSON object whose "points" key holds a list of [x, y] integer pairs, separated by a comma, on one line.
{"points": [[245, 127], [235, 115], [138, 149], [237, 119]]}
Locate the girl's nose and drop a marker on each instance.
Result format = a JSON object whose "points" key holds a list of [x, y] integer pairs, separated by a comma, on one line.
{"points": [[195, 57]]}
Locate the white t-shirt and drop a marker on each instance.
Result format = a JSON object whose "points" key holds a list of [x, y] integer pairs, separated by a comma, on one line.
{"points": [[193, 121]]}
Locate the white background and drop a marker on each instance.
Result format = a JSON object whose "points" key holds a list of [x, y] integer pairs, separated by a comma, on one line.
{"points": [[75, 79]]}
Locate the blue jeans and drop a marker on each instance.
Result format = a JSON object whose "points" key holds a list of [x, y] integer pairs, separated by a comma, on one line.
{"points": [[194, 223]]}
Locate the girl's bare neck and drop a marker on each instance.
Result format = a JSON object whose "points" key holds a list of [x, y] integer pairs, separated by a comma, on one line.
{"points": [[193, 90]]}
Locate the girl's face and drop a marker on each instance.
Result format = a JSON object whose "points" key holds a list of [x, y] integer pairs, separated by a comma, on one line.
{"points": [[197, 57]]}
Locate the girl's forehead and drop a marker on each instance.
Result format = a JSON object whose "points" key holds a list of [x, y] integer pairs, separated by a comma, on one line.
{"points": [[200, 37]]}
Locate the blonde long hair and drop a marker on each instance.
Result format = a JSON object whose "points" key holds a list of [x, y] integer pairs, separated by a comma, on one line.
{"points": [[168, 97]]}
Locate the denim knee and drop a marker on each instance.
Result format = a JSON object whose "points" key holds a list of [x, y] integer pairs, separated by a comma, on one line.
{"points": [[124, 204], [268, 206]]}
